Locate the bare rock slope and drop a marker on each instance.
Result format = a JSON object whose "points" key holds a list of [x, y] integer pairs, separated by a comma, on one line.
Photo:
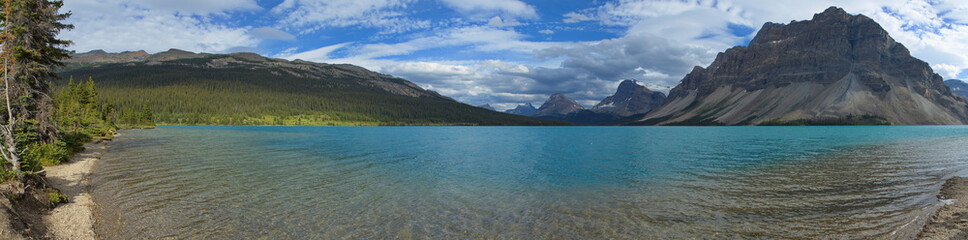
{"points": [[630, 99], [832, 66]]}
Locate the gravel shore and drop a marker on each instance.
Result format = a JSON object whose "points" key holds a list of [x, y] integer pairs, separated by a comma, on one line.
{"points": [[951, 221], [74, 220]]}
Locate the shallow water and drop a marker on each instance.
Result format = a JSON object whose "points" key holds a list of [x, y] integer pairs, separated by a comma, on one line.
{"points": [[524, 182]]}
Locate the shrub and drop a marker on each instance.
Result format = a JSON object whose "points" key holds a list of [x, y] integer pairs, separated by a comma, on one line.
{"points": [[55, 197], [75, 141], [45, 154]]}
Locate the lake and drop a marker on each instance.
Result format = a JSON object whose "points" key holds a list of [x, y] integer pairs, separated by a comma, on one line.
{"points": [[524, 182]]}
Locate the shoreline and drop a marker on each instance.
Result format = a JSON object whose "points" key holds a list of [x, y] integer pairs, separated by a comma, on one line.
{"points": [[75, 219], [951, 220]]}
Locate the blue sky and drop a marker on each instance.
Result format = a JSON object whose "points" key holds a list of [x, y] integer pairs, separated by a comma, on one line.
{"points": [[501, 52]]}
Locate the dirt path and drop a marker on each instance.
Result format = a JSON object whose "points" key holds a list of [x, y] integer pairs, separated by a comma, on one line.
{"points": [[74, 220]]}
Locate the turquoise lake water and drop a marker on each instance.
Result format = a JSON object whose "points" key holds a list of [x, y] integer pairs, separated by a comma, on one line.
{"points": [[524, 182]]}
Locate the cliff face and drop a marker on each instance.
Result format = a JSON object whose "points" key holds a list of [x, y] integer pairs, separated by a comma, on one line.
{"points": [[832, 66], [630, 99]]}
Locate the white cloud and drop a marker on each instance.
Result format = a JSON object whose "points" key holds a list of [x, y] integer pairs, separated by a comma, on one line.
{"points": [[661, 42], [309, 15], [318, 55], [934, 31], [665, 39], [496, 21], [271, 33], [200, 7], [116, 25], [484, 8], [574, 17], [946, 70], [474, 38]]}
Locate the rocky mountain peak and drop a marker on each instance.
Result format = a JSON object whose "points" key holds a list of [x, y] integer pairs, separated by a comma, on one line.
{"points": [[832, 14], [177, 51], [831, 66], [629, 85], [524, 109], [630, 99], [558, 104], [486, 106]]}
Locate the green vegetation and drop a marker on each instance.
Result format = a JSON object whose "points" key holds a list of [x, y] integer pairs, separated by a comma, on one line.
{"points": [[55, 197], [79, 118], [46, 154], [79, 112], [179, 93], [30, 51], [849, 120]]}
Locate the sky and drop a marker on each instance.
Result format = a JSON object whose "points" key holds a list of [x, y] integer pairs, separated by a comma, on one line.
{"points": [[500, 52]]}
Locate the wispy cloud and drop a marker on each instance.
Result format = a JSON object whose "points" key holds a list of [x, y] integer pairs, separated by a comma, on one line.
{"points": [[116, 25], [271, 33], [309, 15], [487, 8]]}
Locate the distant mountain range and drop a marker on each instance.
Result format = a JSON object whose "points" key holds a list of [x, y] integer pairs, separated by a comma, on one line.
{"points": [[629, 99], [248, 89], [487, 106], [957, 87], [834, 66], [524, 110]]}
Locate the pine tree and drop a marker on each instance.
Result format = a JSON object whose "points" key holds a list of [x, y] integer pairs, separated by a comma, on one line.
{"points": [[30, 51], [146, 117]]}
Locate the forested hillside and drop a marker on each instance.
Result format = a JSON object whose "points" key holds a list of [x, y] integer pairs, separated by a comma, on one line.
{"points": [[245, 89]]}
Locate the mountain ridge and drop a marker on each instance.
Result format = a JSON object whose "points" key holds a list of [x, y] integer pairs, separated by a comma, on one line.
{"points": [[249, 89], [832, 66], [630, 99]]}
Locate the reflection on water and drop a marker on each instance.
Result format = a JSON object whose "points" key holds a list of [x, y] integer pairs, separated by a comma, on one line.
{"points": [[524, 182]]}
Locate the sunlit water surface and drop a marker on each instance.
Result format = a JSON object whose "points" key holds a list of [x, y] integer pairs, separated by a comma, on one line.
{"points": [[524, 182]]}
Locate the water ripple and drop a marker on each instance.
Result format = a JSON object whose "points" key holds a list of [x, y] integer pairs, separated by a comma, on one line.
{"points": [[523, 182]]}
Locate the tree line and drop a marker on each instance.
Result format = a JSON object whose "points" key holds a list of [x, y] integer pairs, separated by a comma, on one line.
{"points": [[179, 94], [38, 125]]}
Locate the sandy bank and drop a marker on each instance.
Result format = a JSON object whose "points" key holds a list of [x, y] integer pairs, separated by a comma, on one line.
{"points": [[74, 220], [951, 221]]}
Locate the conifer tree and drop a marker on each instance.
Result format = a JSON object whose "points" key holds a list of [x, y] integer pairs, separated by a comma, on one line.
{"points": [[30, 51]]}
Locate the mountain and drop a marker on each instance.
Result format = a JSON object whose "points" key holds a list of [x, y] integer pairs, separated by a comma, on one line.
{"points": [[957, 87], [561, 108], [524, 110], [558, 105], [835, 66], [487, 106], [182, 87], [630, 99]]}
